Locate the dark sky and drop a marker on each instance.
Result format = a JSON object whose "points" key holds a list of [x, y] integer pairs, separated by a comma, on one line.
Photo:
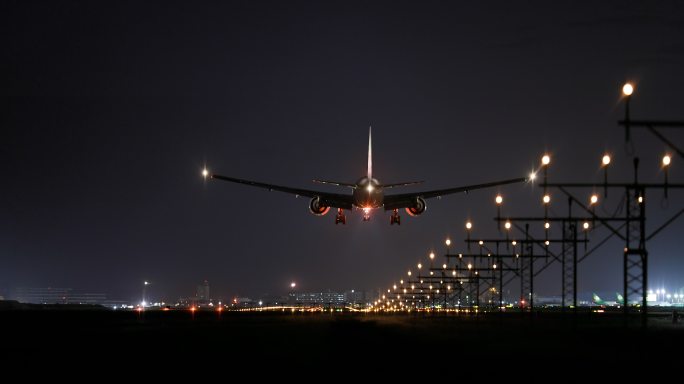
{"points": [[111, 109]]}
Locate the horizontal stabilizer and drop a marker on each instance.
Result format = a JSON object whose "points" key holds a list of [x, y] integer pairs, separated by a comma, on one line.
{"points": [[338, 183], [393, 185]]}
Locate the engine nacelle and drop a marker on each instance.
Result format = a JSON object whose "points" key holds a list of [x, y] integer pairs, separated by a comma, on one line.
{"points": [[418, 207], [317, 208]]}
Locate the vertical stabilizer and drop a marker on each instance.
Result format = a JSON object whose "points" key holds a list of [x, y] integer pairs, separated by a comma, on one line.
{"points": [[370, 155]]}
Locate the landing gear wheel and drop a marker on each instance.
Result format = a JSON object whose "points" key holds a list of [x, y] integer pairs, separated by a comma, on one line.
{"points": [[395, 218], [340, 218]]}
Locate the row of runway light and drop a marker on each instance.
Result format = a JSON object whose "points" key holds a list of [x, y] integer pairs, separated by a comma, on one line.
{"points": [[393, 302]]}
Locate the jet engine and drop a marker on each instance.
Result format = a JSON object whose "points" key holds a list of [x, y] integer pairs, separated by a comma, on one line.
{"points": [[317, 208], [417, 208]]}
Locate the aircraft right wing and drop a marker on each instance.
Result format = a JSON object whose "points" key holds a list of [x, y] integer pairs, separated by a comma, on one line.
{"points": [[407, 200], [327, 199]]}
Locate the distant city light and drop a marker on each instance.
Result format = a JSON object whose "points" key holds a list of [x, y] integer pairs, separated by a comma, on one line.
{"points": [[499, 199], [469, 225], [293, 284], [507, 225], [627, 89], [546, 199], [666, 160]]}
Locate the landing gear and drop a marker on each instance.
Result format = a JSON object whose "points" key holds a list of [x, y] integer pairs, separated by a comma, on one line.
{"points": [[395, 218], [340, 218]]}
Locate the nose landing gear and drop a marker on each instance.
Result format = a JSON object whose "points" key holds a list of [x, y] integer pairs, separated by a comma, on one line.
{"points": [[366, 214]]}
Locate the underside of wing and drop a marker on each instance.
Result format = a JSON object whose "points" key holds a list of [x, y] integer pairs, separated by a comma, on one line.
{"points": [[335, 200], [407, 200]]}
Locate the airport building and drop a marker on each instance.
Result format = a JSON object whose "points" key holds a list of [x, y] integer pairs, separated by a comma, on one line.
{"points": [[58, 296]]}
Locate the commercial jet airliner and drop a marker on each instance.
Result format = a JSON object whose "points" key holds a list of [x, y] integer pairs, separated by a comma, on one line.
{"points": [[367, 194]]}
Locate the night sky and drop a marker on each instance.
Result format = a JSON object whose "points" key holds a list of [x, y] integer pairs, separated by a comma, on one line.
{"points": [[111, 110]]}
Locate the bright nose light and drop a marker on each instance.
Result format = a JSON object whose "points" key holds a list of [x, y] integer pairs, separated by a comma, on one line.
{"points": [[369, 188], [627, 89], [532, 176]]}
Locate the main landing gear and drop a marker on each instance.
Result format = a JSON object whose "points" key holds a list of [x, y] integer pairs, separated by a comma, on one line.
{"points": [[340, 218], [395, 218]]}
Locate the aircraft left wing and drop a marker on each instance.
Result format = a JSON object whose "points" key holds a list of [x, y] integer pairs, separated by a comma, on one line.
{"points": [[334, 200], [407, 200]]}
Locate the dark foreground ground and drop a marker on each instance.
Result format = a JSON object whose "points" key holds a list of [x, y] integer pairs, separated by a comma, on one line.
{"points": [[287, 340]]}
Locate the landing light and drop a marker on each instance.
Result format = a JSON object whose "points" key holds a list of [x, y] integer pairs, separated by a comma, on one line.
{"points": [[205, 173], [369, 188], [532, 176]]}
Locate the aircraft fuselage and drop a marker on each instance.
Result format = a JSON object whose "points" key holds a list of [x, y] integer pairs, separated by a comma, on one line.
{"points": [[368, 193]]}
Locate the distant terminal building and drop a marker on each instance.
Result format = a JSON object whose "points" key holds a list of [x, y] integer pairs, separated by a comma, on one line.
{"points": [[328, 298], [202, 297], [355, 298], [58, 296], [203, 292]]}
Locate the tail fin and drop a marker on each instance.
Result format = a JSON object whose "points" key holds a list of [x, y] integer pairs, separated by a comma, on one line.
{"points": [[370, 155]]}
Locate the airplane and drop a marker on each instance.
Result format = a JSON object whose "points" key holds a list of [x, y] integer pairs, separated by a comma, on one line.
{"points": [[367, 194], [604, 303]]}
